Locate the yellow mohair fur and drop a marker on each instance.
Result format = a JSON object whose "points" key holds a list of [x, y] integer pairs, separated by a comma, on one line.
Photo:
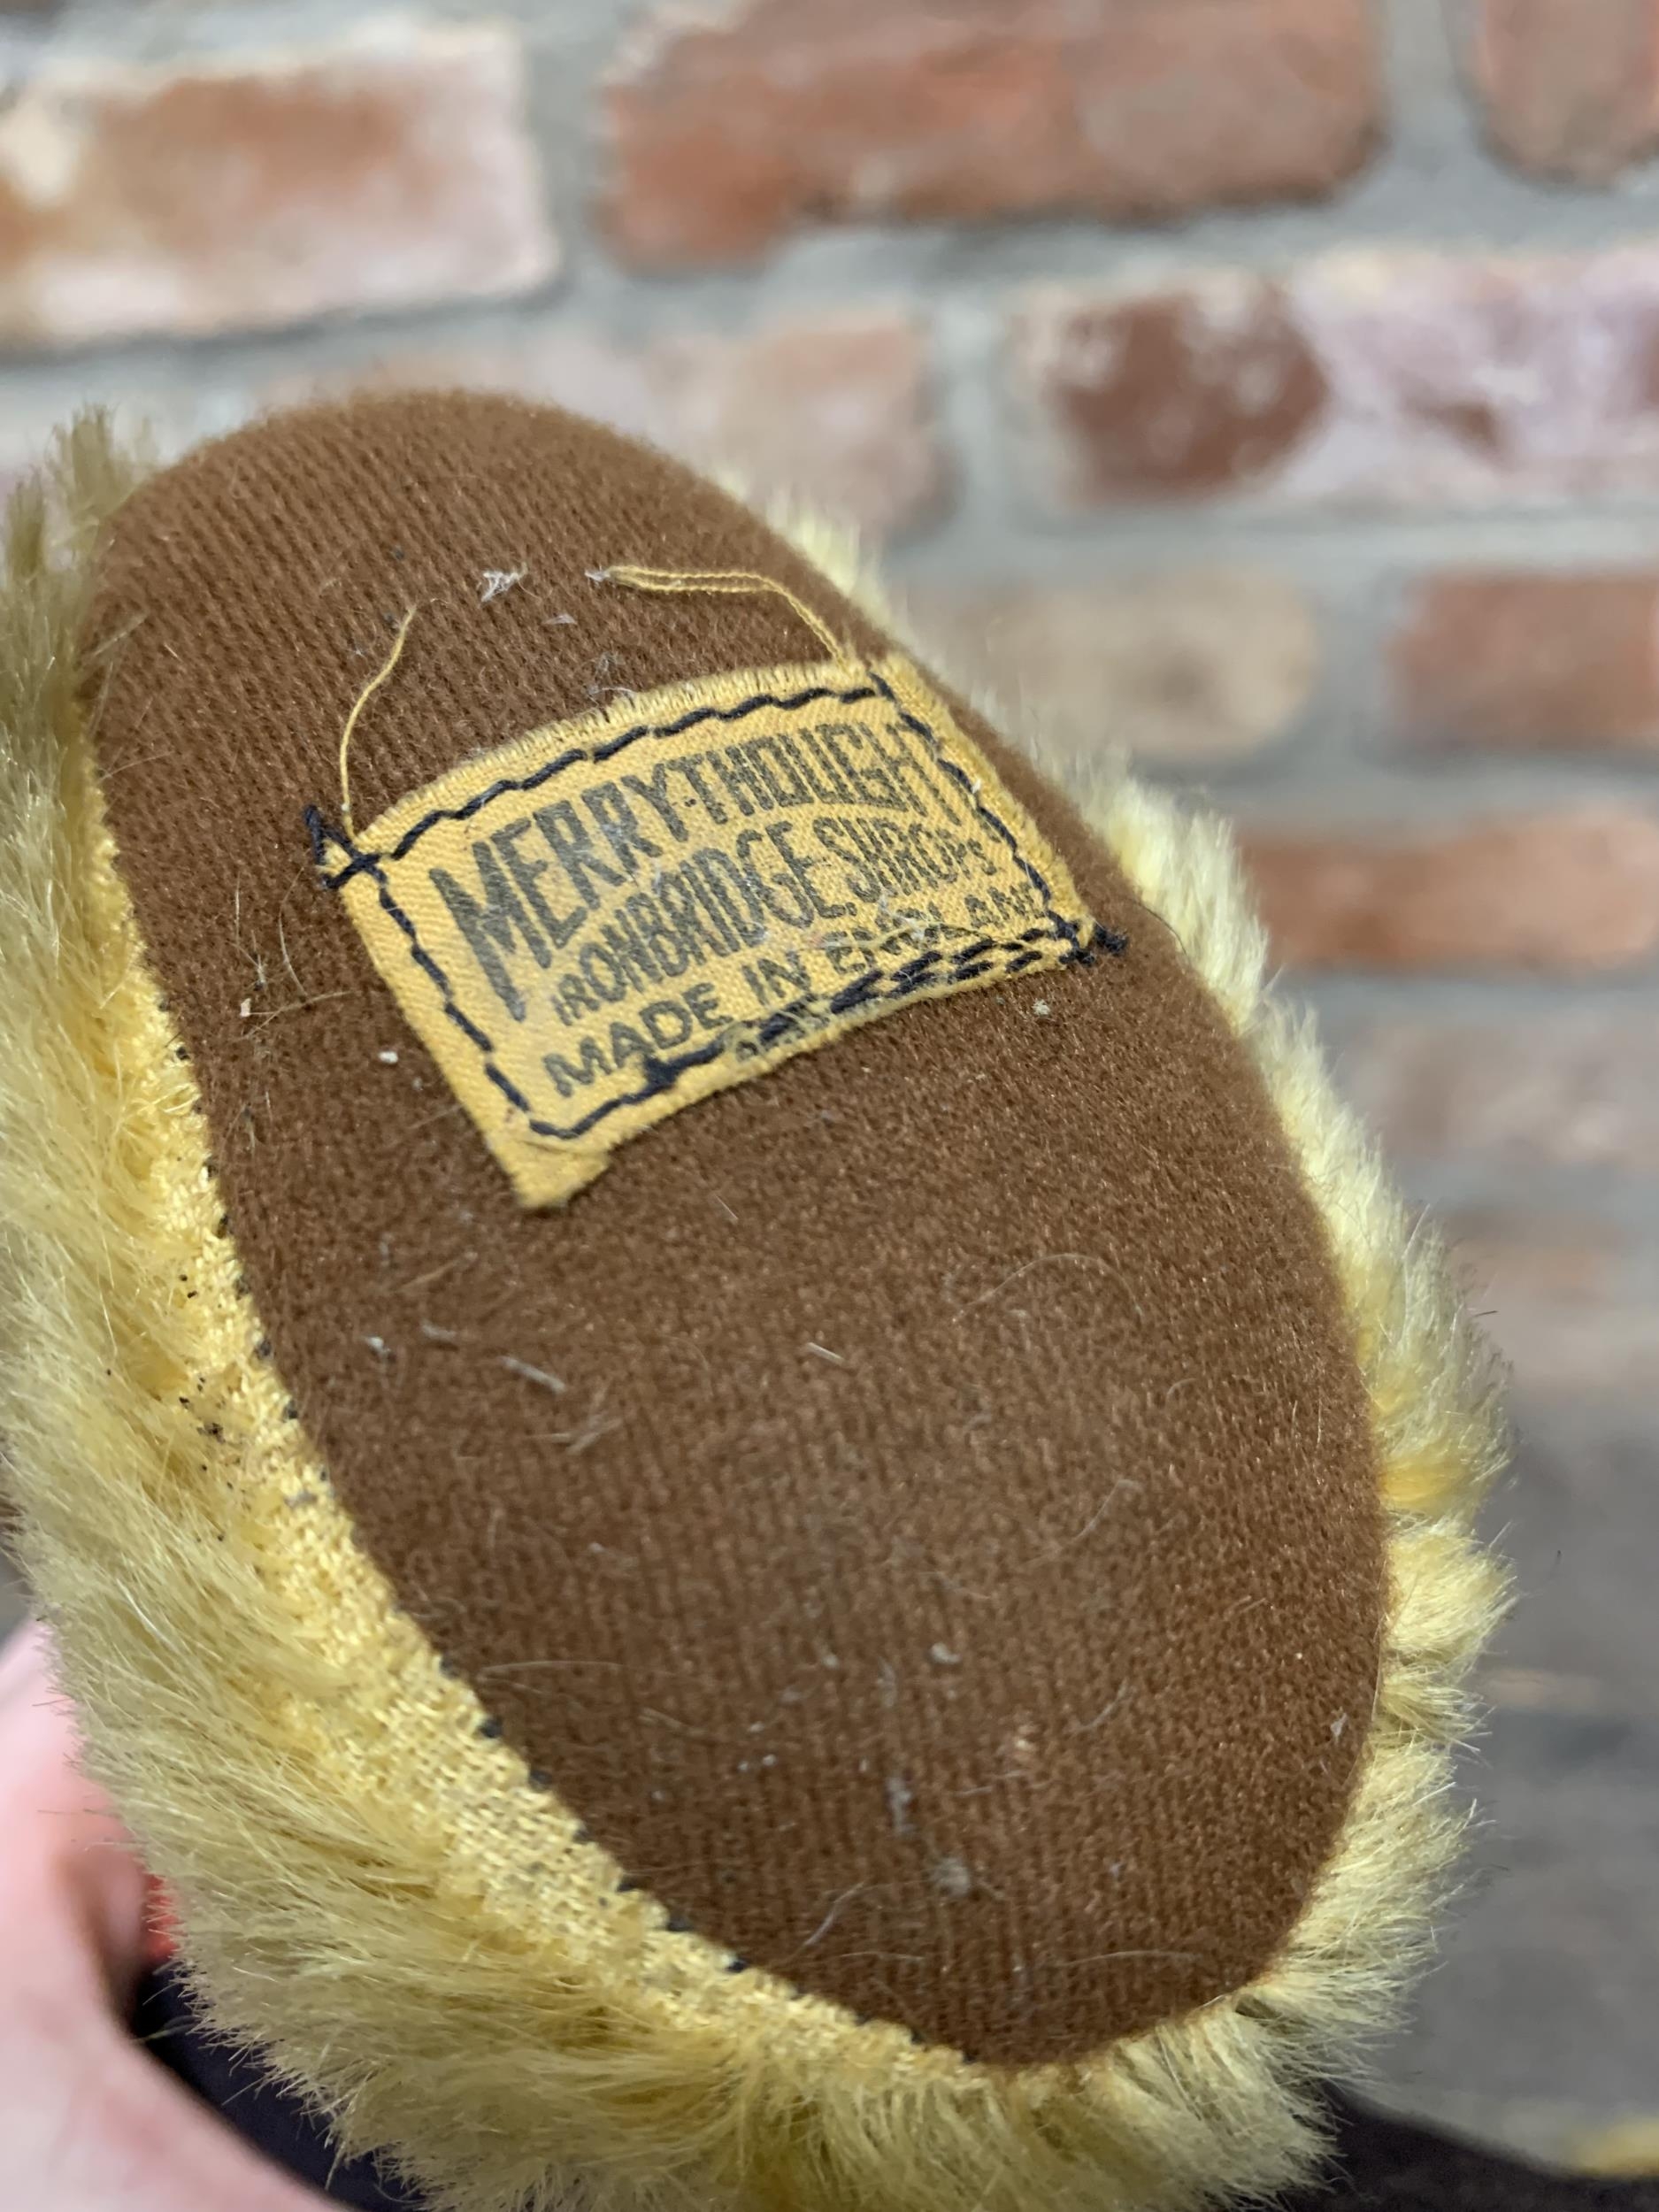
{"points": [[367, 1890], [1630, 2147]]}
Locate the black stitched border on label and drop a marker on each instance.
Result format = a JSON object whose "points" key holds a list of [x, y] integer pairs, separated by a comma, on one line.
{"points": [[537, 777], [929, 971]]}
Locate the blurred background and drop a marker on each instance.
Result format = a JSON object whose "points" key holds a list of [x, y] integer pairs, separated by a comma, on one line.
{"points": [[1269, 388]]}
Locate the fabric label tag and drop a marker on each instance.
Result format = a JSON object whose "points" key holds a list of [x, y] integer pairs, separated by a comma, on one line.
{"points": [[611, 919]]}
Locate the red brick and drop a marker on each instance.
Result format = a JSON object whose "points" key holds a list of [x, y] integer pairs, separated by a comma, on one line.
{"points": [[1202, 389], [1200, 665], [727, 134], [1530, 661], [1561, 893], [382, 171], [1571, 87], [1380, 377], [1574, 1086], [835, 412], [1481, 379]]}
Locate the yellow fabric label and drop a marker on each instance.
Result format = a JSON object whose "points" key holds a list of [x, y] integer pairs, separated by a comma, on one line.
{"points": [[610, 918]]}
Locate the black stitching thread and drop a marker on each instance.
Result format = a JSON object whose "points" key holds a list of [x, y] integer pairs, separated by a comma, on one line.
{"points": [[679, 1923], [661, 1075]]}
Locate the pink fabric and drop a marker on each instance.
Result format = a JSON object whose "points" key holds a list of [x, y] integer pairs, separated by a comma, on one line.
{"points": [[90, 2122]]}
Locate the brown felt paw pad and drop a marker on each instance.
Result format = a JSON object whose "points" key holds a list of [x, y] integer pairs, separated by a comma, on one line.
{"points": [[916, 1507]]}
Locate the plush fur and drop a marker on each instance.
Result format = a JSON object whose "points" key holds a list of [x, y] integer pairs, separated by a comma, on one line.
{"points": [[367, 1890]]}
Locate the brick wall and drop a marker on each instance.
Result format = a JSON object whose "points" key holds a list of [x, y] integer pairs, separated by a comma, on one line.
{"points": [[1271, 386]]}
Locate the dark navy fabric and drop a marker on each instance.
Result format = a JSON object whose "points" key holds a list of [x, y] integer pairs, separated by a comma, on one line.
{"points": [[268, 2113]]}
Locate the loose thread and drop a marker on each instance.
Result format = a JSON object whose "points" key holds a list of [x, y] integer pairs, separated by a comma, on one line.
{"points": [[362, 698], [736, 580]]}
